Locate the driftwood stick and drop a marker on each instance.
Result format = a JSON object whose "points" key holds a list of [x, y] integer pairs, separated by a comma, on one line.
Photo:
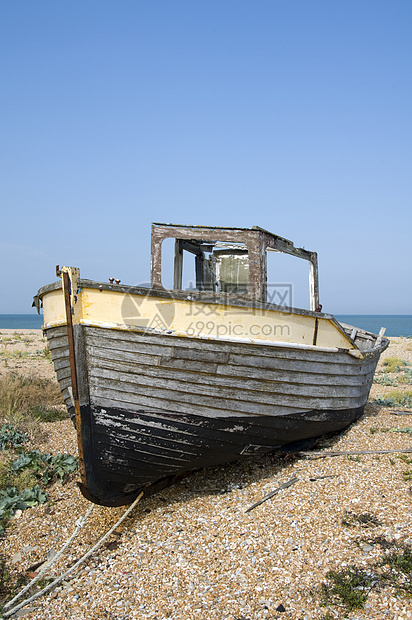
{"points": [[317, 455], [285, 485]]}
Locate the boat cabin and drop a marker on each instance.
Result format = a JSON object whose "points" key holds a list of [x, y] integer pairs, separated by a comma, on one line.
{"points": [[227, 260]]}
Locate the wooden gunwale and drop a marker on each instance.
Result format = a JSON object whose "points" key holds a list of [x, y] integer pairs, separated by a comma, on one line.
{"points": [[198, 297]]}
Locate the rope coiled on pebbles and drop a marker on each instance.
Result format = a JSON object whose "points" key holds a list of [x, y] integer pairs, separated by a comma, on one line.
{"points": [[72, 568]]}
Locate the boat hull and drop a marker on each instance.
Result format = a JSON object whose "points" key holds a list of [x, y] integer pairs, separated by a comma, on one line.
{"points": [[155, 406], [148, 448]]}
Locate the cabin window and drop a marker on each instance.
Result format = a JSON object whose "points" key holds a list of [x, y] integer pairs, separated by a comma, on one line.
{"points": [[230, 264], [168, 254], [215, 266], [287, 280]]}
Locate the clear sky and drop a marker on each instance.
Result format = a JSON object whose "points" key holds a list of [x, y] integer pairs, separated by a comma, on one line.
{"points": [[293, 115]]}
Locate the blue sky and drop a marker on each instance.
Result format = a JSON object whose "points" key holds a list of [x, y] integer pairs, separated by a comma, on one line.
{"points": [[291, 115]]}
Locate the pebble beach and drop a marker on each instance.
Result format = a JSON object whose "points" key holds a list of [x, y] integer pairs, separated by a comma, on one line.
{"points": [[194, 551]]}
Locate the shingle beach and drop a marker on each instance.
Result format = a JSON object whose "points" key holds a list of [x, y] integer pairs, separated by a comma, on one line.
{"points": [[193, 552]]}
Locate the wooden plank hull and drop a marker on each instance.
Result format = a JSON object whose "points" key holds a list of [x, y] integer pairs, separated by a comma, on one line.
{"points": [[145, 447], [154, 406]]}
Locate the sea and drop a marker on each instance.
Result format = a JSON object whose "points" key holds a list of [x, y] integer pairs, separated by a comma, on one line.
{"points": [[21, 321], [396, 324]]}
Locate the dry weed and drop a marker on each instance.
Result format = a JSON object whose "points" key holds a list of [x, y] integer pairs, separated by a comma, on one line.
{"points": [[25, 401]]}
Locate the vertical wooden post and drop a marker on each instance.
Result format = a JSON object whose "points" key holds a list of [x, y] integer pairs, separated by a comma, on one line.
{"points": [[256, 247], [73, 371], [156, 258], [314, 282], [199, 258], [380, 336], [263, 269], [178, 267]]}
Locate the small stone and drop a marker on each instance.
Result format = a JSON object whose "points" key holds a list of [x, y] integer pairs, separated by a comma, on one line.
{"points": [[280, 608]]}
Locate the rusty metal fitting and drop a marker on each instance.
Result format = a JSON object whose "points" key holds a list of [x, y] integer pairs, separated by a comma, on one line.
{"points": [[117, 281], [111, 280]]}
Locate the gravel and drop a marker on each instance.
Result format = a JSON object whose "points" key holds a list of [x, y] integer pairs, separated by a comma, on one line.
{"points": [[192, 552]]}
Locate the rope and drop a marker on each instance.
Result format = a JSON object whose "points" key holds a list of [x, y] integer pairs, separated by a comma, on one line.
{"points": [[72, 568], [79, 525]]}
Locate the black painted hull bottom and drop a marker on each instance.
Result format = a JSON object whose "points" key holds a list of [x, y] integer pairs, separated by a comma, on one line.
{"points": [[126, 452]]}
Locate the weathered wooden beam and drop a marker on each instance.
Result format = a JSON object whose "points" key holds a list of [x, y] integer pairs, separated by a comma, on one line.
{"points": [[67, 291], [199, 258], [191, 246], [285, 485], [353, 452], [314, 282], [178, 266], [279, 244], [380, 336], [353, 333]]}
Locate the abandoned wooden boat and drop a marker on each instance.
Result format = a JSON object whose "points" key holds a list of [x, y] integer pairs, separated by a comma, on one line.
{"points": [[161, 382]]}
